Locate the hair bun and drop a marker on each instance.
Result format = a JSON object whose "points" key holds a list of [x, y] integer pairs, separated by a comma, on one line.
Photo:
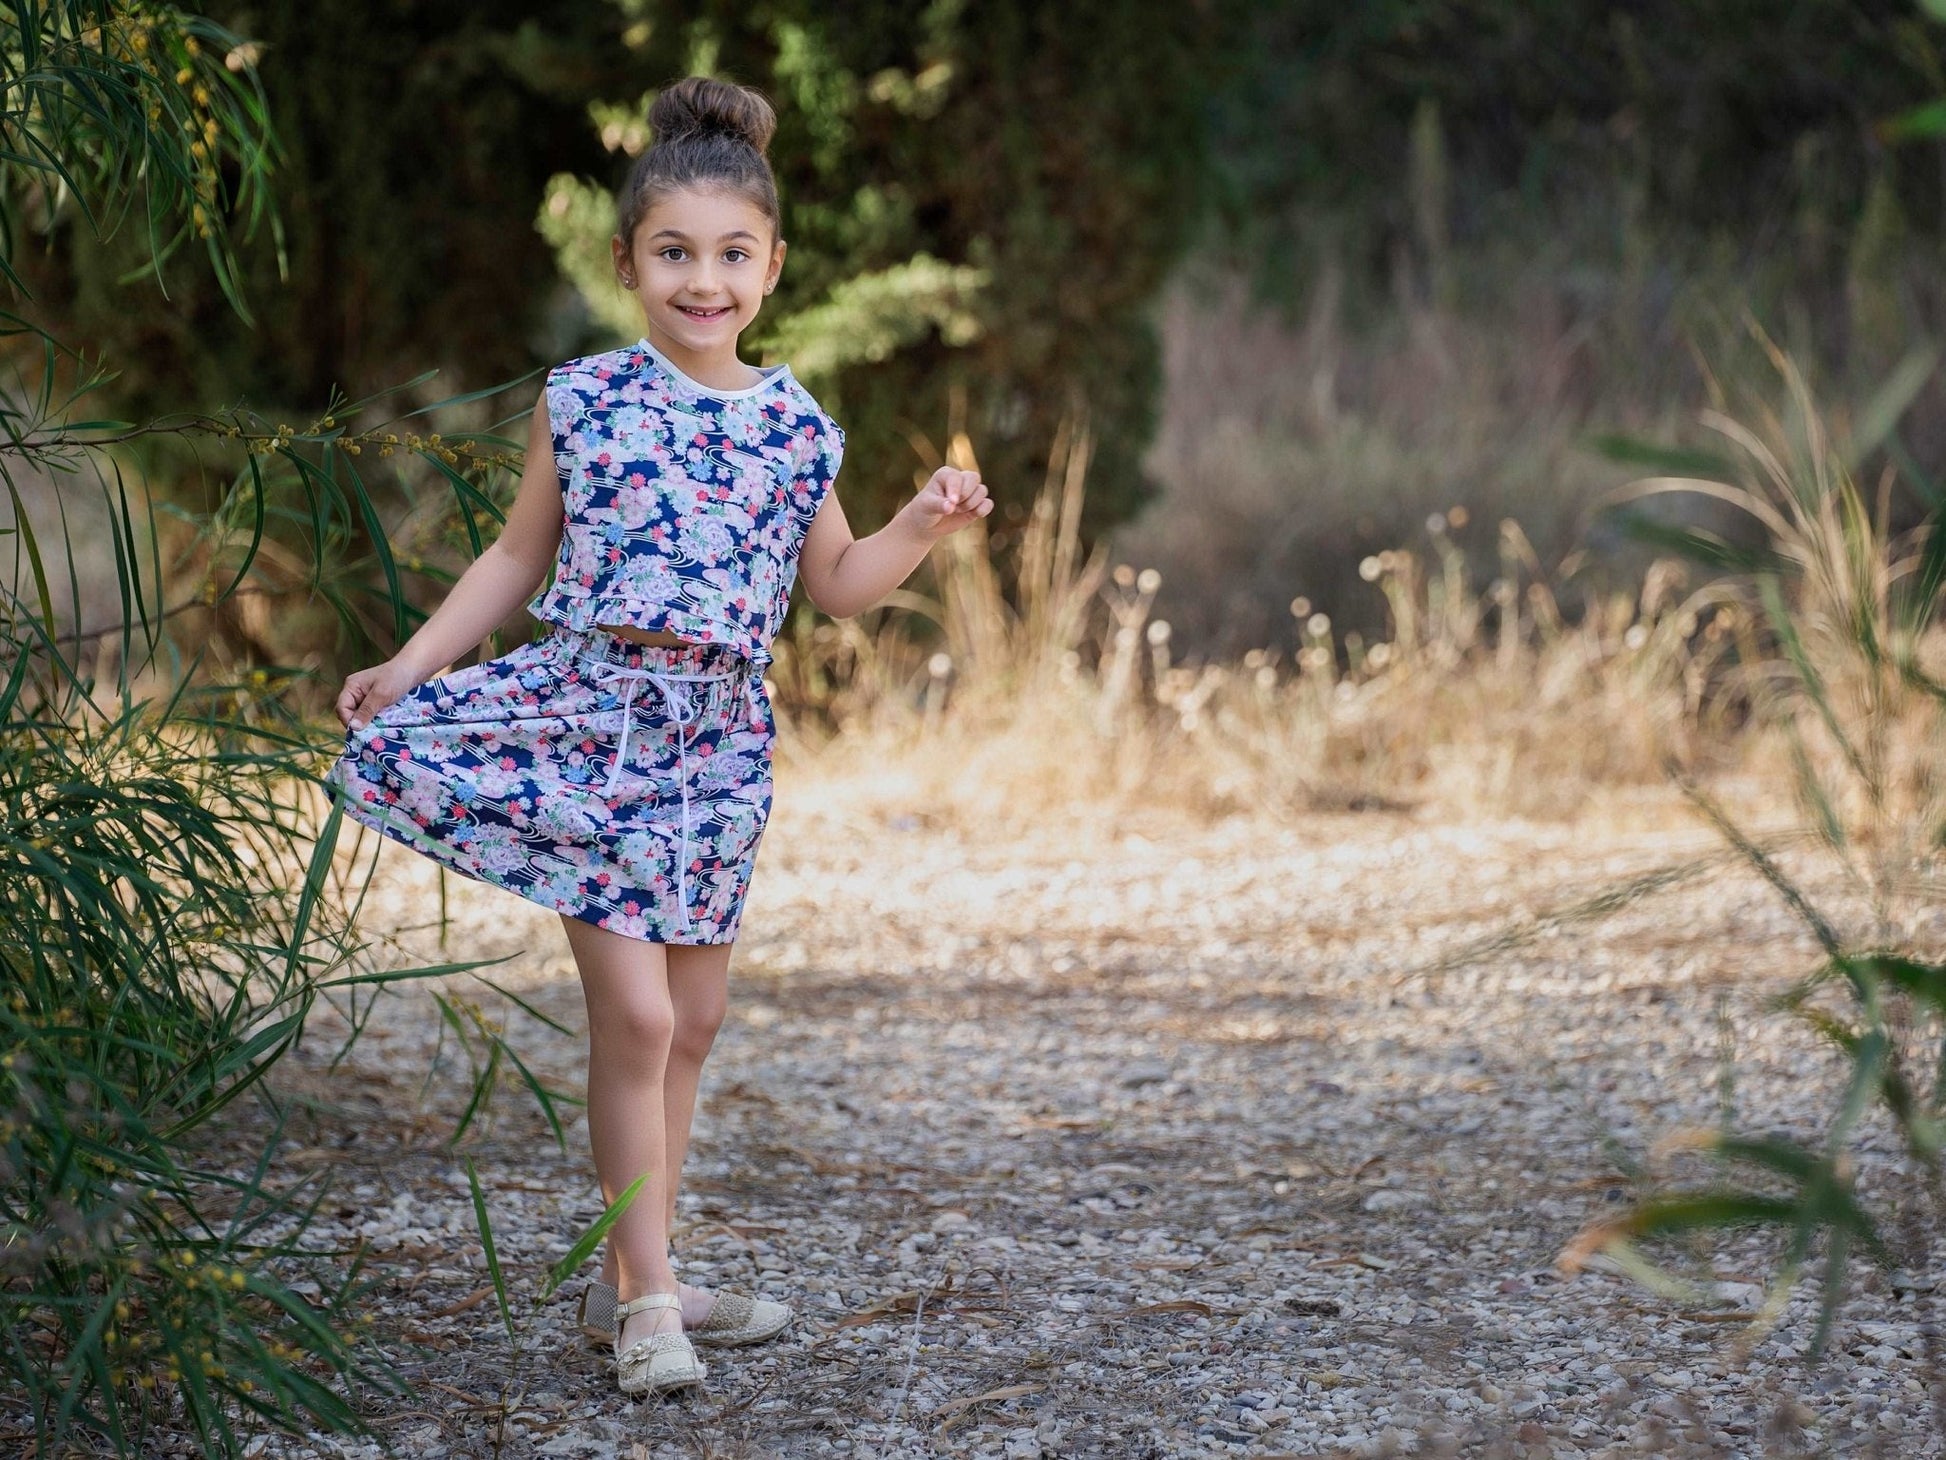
{"points": [[701, 106]]}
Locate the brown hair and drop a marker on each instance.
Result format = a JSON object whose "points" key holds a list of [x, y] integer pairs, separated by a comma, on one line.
{"points": [[708, 133]]}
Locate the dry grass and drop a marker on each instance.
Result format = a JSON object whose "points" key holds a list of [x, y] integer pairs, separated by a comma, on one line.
{"points": [[1048, 681]]}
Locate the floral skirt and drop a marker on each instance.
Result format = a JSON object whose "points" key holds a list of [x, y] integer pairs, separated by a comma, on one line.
{"points": [[623, 784]]}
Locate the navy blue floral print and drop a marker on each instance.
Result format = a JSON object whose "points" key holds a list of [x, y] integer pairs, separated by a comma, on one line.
{"points": [[538, 772], [684, 508], [623, 784]]}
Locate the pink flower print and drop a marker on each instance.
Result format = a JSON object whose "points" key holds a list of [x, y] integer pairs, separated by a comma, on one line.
{"points": [[507, 763]]}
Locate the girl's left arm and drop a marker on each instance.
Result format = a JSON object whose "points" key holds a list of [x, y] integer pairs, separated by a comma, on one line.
{"points": [[845, 575]]}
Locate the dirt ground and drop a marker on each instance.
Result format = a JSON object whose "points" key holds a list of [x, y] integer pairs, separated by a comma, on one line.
{"points": [[1127, 1136]]}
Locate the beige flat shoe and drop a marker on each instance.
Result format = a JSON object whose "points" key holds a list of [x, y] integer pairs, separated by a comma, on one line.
{"points": [[662, 1361], [734, 1318]]}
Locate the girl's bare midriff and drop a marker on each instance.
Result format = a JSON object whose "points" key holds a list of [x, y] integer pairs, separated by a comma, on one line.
{"points": [[645, 636]]}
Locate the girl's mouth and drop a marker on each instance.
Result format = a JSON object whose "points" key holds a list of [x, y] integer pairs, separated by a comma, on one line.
{"points": [[704, 315]]}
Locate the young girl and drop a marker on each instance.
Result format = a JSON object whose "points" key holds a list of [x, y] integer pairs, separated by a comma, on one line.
{"points": [[618, 768]]}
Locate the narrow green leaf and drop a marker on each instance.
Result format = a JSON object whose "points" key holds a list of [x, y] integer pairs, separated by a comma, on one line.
{"points": [[525, 1007], [1917, 123], [492, 1253], [1699, 545], [591, 1239], [482, 1089], [1660, 460], [542, 1095], [1881, 414], [1700, 1210]]}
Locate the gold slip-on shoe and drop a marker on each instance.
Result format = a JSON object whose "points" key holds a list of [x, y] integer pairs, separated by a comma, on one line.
{"points": [[734, 1318], [659, 1362]]}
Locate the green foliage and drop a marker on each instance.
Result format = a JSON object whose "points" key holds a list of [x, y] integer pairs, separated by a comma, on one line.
{"points": [[1725, 114], [165, 928], [412, 143], [153, 976], [870, 318], [106, 106]]}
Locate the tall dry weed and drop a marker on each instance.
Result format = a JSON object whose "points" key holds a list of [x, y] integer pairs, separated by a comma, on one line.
{"points": [[1048, 680], [1839, 648]]}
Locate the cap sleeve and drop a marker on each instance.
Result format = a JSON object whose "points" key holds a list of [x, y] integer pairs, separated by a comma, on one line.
{"points": [[562, 409], [820, 470]]}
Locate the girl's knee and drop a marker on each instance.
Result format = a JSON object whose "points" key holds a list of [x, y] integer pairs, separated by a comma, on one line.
{"points": [[639, 1029], [697, 1024]]}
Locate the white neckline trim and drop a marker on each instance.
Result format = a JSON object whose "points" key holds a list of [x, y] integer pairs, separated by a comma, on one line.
{"points": [[772, 375]]}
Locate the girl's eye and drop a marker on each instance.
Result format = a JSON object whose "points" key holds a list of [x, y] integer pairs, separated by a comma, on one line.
{"points": [[669, 251], [735, 255]]}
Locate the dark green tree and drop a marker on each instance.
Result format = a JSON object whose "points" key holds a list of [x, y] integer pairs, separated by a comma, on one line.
{"points": [[981, 202]]}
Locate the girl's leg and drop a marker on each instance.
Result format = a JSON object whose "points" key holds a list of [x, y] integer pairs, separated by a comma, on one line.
{"points": [[631, 1025], [698, 980]]}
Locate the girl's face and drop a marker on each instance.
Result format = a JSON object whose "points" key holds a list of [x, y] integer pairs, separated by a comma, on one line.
{"points": [[701, 264]]}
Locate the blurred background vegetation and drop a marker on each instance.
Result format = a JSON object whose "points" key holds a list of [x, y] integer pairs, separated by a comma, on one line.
{"points": [[1312, 272], [1305, 346]]}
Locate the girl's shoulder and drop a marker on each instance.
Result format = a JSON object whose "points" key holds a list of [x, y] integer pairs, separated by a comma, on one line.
{"points": [[592, 374], [802, 404]]}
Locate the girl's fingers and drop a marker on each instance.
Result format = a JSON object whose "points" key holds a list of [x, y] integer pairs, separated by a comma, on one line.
{"points": [[956, 486]]}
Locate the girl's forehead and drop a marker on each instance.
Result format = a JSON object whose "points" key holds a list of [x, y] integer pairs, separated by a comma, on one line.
{"points": [[704, 212]]}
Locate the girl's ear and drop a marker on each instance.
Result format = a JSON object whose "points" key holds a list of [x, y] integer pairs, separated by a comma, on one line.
{"points": [[776, 265], [624, 266]]}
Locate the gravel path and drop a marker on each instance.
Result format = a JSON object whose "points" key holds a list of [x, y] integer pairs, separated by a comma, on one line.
{"points": [[1134, 1138]]}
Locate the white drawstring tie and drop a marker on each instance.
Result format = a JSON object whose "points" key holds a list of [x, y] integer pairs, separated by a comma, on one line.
{"points": [[681, 709]]}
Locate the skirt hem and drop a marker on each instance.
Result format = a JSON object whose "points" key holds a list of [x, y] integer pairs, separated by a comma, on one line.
{"points": [[409, 834]]}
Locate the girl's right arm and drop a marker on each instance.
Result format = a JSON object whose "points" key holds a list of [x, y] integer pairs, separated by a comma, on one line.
{"points": [[502, 578]]}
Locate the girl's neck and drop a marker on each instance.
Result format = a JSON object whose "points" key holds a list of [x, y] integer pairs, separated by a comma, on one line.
{"points": [[720, 369]]}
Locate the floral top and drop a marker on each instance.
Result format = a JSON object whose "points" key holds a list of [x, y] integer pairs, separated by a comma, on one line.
{"points": [[684, 506]]}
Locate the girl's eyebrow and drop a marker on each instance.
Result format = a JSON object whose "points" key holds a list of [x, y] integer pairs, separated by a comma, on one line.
{"points": [[684, 237]]}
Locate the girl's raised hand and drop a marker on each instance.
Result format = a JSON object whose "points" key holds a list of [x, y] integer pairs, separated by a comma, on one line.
{"points": [[370, 690], [953, 498]]}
